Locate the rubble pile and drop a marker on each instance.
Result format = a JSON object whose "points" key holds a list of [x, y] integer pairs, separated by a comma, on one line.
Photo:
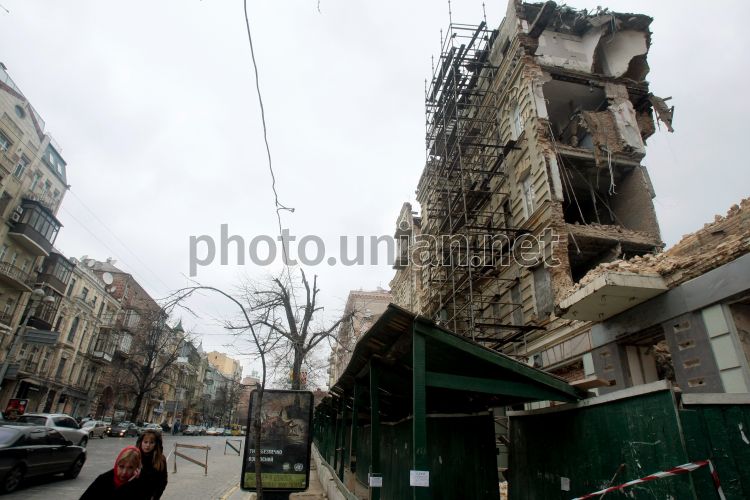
{"points": [[718, 242]]}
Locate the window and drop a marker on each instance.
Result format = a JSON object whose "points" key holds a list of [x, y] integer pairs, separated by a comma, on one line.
{"points": [[132, 319], [13, 258], [55, 438], [3, 252], [65, 422], [84, 293], [543, 292], [37, 178], [37, 437], [516, 122], [60, 368], [5, 200], [70, 287], [9, 306], [55, 161], [21, 167], [45, 361], [527, 192], [26, 265], [4, 142], [126, 342], [101, 309], [73, 329]]}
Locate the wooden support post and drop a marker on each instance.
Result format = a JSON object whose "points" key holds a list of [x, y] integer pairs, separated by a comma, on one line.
{"points": [[344, 446], [335, 435], [353, 436], [419, 409], [374, 427], [339, 434]]}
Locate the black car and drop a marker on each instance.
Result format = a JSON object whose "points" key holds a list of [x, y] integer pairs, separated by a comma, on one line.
{"points": [[123, 429], [27, 451]]}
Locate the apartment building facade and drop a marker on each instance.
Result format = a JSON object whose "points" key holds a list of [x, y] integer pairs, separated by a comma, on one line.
{"points": [[362, 309], [33, 183]]}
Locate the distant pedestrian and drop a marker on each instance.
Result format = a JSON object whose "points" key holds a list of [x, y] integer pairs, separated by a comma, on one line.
{"points": [[121, 482], [176, 427], [154, 465]]}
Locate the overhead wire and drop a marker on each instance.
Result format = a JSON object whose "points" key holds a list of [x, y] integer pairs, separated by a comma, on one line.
{"points": [[278, 205], [131, 269]]}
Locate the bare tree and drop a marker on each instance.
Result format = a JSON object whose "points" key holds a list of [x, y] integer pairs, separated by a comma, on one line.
{"points": [[154, 351], [275, 306]]}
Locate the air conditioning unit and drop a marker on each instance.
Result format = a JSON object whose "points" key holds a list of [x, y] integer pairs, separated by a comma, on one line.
{"points": [[15, 217]]}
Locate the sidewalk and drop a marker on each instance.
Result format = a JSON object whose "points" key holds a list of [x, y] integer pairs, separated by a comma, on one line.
{"points": [[314, 492]]}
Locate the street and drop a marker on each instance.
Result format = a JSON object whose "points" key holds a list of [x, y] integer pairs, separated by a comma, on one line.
{"points": [[188, 483]]}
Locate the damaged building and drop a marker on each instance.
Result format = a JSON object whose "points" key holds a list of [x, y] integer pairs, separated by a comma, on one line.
{"points": [[534, 282], [536, 135]]}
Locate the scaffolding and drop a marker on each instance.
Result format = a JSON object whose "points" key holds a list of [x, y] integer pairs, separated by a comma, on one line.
{"points": [[464, 206]]}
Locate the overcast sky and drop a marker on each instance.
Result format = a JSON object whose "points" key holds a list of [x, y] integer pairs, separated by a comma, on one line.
{"points": [[154, 105]]}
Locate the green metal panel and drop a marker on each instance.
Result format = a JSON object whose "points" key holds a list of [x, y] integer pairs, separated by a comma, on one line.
{"points": [[587, 445], [375, 465], [363, 453], [719, 433], [460, 456], [419, 426]]}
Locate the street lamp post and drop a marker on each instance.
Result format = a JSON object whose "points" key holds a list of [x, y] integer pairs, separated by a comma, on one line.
{"points": [[37, 296]]}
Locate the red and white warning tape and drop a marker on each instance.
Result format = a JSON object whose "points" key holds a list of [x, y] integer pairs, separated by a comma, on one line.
{"points": [[680, 469]]}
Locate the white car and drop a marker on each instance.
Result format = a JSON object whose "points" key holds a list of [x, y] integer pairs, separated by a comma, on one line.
{"points": [[95, 428], [64, 424]]}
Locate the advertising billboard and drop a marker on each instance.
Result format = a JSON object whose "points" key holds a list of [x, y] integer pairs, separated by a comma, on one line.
{"points": [[15, 408], [285, 439]]}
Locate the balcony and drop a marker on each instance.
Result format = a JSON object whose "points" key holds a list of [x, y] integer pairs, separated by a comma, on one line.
{"points": [[47, 201], [102, 356], [56, 272], [36, 228], [43, 316], [15, 278]]}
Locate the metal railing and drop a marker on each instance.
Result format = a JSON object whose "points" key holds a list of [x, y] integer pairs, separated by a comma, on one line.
{"points": [[16, 273]]}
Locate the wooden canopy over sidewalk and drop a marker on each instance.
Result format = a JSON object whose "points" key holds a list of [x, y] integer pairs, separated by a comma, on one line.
{"points": [[407, 366]]}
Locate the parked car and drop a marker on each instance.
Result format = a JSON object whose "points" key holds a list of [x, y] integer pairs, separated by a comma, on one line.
{"points": [[150, 427], [191, 430], [31, 450], [215, 431], [123, 429], [64, 424], [95, 428]]}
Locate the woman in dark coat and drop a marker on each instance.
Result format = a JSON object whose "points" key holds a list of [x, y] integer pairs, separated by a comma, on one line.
{"points": [[122, 482], [154, 465]]}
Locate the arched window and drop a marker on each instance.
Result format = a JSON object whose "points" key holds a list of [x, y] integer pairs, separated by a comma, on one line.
{"points": [[516, 123], [73, 329]]}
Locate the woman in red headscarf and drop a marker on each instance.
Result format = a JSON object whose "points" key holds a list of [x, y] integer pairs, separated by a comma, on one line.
{"points": [[122, 481]]}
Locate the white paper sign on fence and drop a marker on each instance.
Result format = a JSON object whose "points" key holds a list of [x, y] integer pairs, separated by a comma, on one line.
{"points": [[376, 481], [420, 478]]}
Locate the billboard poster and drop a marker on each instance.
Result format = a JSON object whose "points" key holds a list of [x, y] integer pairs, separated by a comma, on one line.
{"points": [[15, 408], [285, 439]]}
